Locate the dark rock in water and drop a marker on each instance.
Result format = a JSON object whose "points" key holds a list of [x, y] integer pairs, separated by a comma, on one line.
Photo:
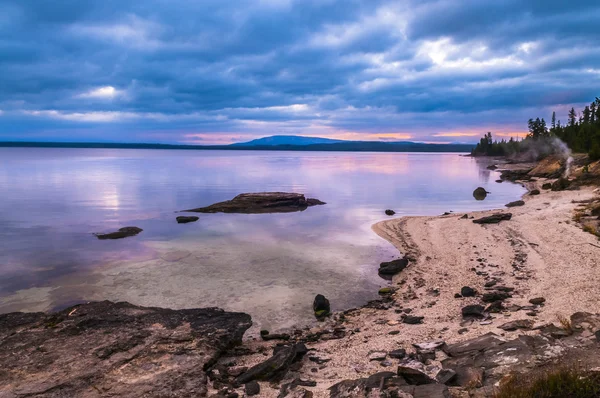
{"points": [[186, 219], [480, 193], [499, 181], [525, 324], [262, 202], [547, 186], [494, 296], [120, 234], [516, 203], [493, 219], [321, 306], [150, 349], [252, 388], [467, 291], [390, 212], [534, 192], [412, 319], [537, 301], [397, 354], [273, 368], [561, 184], [474, 310], [393, 267]]}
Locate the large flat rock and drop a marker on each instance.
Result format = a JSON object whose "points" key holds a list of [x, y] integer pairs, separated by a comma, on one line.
{"points": [[114, 349], [261, 202]]}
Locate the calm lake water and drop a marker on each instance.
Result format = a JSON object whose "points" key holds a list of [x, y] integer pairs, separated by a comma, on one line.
{"points": [[269, 265]]}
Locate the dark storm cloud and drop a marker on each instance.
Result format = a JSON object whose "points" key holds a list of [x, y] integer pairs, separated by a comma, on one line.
{"points": [[214, 71]]}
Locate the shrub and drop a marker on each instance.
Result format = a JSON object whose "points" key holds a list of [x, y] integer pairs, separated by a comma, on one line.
{"points": [[563, 382]]}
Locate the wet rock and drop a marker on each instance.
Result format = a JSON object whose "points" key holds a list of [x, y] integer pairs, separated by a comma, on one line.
{"points": [[537, 301], [273, 368], [389, 212], [467, 291], [91, 343], [262, 202], [534, 192], [252, 388], [321, 306], [524, 324], [398, 354], [480, 193], [124, 232], [516, 203], [493, 219], [393, 267], [473, 310], [186, 219], [412, 319]]}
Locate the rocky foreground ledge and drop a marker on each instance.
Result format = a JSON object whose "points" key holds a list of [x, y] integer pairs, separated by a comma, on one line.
{"points": [[114, 349], [261, 202]]}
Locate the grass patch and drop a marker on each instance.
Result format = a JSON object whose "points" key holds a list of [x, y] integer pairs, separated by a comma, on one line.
{"points": [[571, 382], [565, 323], [590, 229]]}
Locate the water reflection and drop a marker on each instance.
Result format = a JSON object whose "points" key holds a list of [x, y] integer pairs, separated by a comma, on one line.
{"points": [[268, 265]]}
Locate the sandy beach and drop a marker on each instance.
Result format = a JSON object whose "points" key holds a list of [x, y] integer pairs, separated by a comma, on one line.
{"points": [[540, 252]]}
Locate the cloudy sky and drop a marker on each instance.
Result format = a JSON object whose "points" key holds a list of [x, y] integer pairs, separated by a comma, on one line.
{"points": [[216, 71]]}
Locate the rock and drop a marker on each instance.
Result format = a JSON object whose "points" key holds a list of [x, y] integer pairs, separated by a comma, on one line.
{"points": [[474, 345], [273, 368], [186, 219], [537, 301], [252, 388], [377, 380], [495, 307], [393, 267], [468, 377], [321, 306], [275, 336], [516, 203], [524, 324], [491, 283], [561, 184], [464, 217], [412, 320], [480, 193], [389, 212], [384, 291], [413, 375], [348, 389], [445, 375], [494, 296], [377, 356], [124, 232], [534, 192], [262, 202], [89, 344], [398, 354], [493, 219], [431, 391], [547, 186], [473, 310], [291, 390], [467, 291], [492, 167], [430, 345], [597, 335], [499, 181]]}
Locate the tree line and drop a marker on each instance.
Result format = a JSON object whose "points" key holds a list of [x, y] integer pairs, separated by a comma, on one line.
{"points": [[581, 133]]}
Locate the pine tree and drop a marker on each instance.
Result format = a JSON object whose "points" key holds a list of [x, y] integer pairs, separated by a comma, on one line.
{"points": [[572, 117]]}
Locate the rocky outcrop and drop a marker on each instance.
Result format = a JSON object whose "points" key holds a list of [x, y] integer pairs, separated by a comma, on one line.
{"points": [[493, 219], [120, 234], [115, 349], [262, 202]]}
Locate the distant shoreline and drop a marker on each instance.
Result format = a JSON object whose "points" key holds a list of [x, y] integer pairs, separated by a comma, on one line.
{"points": [[352, 146]]}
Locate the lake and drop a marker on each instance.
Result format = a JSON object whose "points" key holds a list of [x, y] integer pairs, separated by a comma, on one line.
{"points": [[269, 265]]}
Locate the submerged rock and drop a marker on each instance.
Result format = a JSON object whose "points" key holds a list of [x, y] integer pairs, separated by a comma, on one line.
{"points": [[186, 219], [389, 212], [120, 234], [480, 193], [493, 219], [262, 202], [128, 350]]}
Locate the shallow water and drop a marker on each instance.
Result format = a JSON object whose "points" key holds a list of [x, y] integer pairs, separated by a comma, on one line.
{"points": [[269, 265]]}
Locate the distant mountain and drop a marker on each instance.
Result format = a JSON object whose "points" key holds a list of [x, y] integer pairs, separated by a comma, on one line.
{"points": [[287, 140]]}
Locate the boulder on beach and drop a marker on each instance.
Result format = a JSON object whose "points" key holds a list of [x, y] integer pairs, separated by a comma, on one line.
{"points": [[480, 193], [87, 345], [186, 219], [493, 219], [120, 234], [321, 306], [534, 192], [560, 185], [261, 202], [515, 203], [390, 268]]}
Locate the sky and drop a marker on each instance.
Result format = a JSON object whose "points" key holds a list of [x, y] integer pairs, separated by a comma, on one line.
{"points": [[217, 72]]}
